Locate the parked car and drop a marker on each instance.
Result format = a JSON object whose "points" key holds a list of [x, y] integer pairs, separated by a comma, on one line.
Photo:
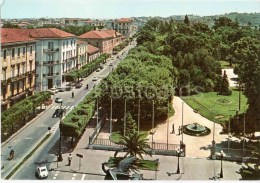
{"points": [[42, 171], [111, 64], [53, 90], [58, 100], [94, 79], [78, 85], [67, 88], [98, 70], [60, 89]]}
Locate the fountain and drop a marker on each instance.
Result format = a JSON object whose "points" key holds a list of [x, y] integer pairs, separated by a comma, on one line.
{"points": [[196, 129]]}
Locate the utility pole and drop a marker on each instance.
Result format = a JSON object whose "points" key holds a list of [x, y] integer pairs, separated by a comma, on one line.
{"points": [[125, 118], [97, 113], [167, 123], [239, 95], [182, 123], [138, 120], [111, 104], [152, 124], [229, 131]]}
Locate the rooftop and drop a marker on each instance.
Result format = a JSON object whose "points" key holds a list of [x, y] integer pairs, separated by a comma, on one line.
{"points": [[10, 35], [96, 34], [47, 33], [92, 49]]}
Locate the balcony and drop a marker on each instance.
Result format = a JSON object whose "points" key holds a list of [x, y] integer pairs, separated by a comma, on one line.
{"points": [[19, 95], [51, 50], [49, 75], [51, 62], [72, 58], [19, 77], [31, 72]]}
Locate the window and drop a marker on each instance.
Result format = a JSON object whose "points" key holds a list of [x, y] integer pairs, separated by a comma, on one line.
{"points": [[97, 44], [50, 57], [74, 53], [31, 48], [63, 56], [23, 69], [67, 43], [63, 44], [50, 45], [12, 71], [74, 41], [71, 42], [4, 54], [23, 50], [18, 52], [18, 69], [13, 52], [30, 62], [4, 74]]}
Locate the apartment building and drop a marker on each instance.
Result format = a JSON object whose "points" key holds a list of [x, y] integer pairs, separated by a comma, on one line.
{"points": [[117, 37], [93, 53], [18, 66], [82, 56], [99, 39], [56, 55], [124, 26]]}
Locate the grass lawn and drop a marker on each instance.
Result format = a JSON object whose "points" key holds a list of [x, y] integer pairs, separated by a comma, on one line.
{"points": [[140, 164], [225, 65], [215, 107]]}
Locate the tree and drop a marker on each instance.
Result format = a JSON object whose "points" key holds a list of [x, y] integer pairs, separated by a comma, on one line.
{"points": [[131, 126], [186, 20], [224, 85], [134, 145], [10, 25]]}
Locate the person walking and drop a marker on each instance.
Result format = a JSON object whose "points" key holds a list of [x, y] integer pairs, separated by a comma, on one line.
{"points": [[69, 159], [173, 131], [72, 94], [86, 86]]}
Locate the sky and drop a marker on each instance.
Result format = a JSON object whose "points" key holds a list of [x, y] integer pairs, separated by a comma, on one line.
{"points": [[122, 8]]}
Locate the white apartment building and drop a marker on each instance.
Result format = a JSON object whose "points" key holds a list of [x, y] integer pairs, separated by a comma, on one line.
{"points": [[55, 56]]}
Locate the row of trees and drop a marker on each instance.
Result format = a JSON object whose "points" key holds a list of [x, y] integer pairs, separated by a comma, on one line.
{"points": [[87, 69], [22, 111]]}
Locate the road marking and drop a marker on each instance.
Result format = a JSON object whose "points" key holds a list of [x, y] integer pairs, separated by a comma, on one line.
{"points": [[56, 174], [74, 176], [83, 176], [63, 107]]}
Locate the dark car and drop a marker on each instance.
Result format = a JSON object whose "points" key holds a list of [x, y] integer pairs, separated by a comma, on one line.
{"points": [[58, 113], [78, 85]]}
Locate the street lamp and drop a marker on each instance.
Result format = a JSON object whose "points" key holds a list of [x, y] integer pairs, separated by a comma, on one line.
{"points": [[221, 168], [60, 153], [178, 165]]}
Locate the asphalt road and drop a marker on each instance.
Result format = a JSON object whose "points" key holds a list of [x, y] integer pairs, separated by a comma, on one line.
{"points": [[26, 140]]}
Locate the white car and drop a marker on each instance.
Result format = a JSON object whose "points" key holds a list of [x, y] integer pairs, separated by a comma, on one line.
{"points": [[94, 79], [42, 171], [53, 90], [58, 100]]}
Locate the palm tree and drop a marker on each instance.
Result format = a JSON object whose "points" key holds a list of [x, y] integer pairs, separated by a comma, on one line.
{"points": [[135, 144]]}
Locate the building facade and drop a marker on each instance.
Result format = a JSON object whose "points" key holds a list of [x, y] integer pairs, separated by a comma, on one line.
{"points": [[99, 39], [56, 55], [93, 53], [82, 56], [124, 26], [18, 66]]}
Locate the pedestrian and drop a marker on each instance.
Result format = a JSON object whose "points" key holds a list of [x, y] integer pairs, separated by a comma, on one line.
{"points": [[72, 94], [173, 131], [86, 86], [69, 159], [94, 86], [11, 154]]}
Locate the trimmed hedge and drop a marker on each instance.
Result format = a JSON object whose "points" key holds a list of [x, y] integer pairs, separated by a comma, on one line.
{"points": [[21, 110], [87, 69], [75, 122]]}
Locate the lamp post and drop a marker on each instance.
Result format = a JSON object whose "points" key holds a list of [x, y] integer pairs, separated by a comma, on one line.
{"points": [[152, 123], [60, 153], [221, 168], [178, 164]]}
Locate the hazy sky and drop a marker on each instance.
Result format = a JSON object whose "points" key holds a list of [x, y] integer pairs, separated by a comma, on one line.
{"points": [[123, 8]]}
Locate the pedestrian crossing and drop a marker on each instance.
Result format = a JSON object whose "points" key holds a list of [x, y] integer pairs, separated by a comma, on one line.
{"points": [[62, 107]]}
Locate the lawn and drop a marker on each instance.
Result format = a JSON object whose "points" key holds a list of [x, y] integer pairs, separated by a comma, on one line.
{"points": [[225, 65], [215, 107]]}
